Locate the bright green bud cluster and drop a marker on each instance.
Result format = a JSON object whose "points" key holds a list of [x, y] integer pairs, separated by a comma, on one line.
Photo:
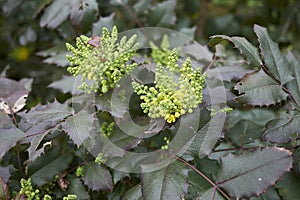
{"points": [[102, 63], [227, 110], [70, 197], [47, 197], [79, 172], [28, 191], [100, 159], [160, 55], [166, 146], [171, 96], [107, 129]]}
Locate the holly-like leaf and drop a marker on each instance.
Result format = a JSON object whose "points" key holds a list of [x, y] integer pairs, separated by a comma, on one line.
{"points": [[258, 89], [288, 187], [84, 13], [9, 134], [134, 193], [249, 51], [97, 177], [205, 139], [44, 168], [273, 59], [56, 55], [56, 13], [280, 130], [76, 187], [271, 193], [227, 73], [162, 14], [167, 183], [68, 84], [210, 194], [101, 23], [243, 176], [33, 151], [79, 126], [198, 51], [294, 85]]}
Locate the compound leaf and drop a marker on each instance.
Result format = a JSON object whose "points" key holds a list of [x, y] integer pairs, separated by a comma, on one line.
{"points": [[251, 174], [280, 130], [273, 59], [258, 89], [44, 168], [97, 177], [79, 126], [249, 51], [167, 183]]}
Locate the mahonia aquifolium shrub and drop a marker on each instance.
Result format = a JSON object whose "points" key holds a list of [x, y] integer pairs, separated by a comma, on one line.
{"points": [[170, 98], [161, 54], [102, 61]]}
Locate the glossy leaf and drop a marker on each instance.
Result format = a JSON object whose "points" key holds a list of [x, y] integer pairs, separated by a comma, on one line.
{"points": [[52, 163], [211, 194], [249, 51], [280, 130], [97, 177], [9, 134], [101, 23], [259, 90], [79, 126], [68, 84], [167, 183], [251, 174], [135, 193], [76, 187], [33, 150], [162, 14], [294, 85], [227, 73], [273, 59], [56, 13]]}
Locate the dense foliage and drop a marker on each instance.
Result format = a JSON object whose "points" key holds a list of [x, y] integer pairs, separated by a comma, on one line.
{"points": [[88, 111]]}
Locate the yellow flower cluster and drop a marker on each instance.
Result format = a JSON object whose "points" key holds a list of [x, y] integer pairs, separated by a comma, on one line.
{"points": [[102, 61], [177, 90]]}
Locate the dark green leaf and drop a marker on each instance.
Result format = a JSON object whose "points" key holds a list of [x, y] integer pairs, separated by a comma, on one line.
{"points": [[142, 6], [56, 13], [259, 90], [251, 174], [271, 193], [205, 139], [211, 194], [101, 23], [79, 126], [288, 187], [243, 45], [162, 14], [167, 183], [280, 130], [9, 134], [84, 13], [76, 187], [68, 84], [294, 85], [135, 193], [52, 163], [274, 61], [97, 177], [33, 151], [4, 173], [227, 73], [198, 51]]}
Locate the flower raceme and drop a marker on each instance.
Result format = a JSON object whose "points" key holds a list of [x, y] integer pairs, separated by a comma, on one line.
{"points": [[177, 90], [102, 62]]}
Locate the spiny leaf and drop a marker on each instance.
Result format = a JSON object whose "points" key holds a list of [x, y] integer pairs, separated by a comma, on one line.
{"points": [[56, 13], [250, 174], [274, 61], [249, 51], [79, 126], [227, 73], [101, 23], [134, 193], [97, 177], [162, 14], [167, 183], [259, 90], [294, 85], [76, 187], [52, 163], [33, 151], [198, 51], [280, 130], [68, 84], [9, 134]]}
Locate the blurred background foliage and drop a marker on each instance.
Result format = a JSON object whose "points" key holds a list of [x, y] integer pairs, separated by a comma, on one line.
{"points": [[33, 33]]}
